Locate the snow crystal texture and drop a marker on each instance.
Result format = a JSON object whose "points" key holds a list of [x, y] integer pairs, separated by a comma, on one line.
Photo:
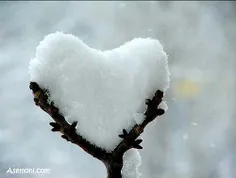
{"points": [[131, 162], [103, 90]]}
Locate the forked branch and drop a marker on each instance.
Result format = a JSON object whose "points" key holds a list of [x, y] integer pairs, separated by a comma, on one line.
{"points": [[113, 160]]}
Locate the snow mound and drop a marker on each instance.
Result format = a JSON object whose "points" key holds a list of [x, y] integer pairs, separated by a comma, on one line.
{"points": [[131, 162], [102, 90]]}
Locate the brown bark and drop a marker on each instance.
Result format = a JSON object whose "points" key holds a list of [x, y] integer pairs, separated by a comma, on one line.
{"points": [[113, 160]]}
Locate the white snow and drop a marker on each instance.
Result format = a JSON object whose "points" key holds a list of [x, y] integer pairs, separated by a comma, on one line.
{"points": [[131, 162], [163, 106], [139, 118], [102, 90]]}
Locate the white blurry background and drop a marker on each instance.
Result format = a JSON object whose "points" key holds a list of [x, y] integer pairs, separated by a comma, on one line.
{"points": [[195, 138]]}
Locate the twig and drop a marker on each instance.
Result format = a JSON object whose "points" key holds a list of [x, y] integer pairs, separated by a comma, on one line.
{"points": [[113, 160]]}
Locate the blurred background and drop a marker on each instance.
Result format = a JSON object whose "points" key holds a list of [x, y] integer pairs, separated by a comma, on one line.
{"points": [[197, 136]]}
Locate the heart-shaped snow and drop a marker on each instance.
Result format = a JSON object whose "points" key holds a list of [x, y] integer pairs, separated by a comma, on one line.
{"points": [[104, 91]]}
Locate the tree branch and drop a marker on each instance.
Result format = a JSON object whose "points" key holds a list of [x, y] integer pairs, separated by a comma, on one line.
{"points": [[130, 139], [68, 130], [113, 160]]}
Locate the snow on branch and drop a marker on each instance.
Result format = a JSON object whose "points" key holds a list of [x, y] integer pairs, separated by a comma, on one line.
{"points": [[113, 160], [100, 100], [61, 125]]}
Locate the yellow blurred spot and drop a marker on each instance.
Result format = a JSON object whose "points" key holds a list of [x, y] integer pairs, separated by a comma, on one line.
{"points": [[187, 88], [37, 94]]}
